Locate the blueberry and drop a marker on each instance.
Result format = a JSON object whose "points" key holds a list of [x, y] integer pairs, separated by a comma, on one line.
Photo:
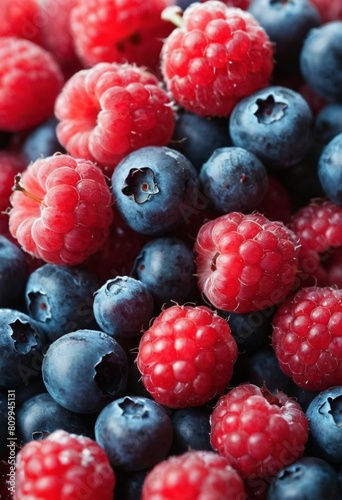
{"points": [[129, 484], [191, 429], [166, 266], [42, 141], [60, 299], [324, 414], [41, 415], [85, 370], [308, 477], [189, 132], [275, 124], [155, 189], [234, 179], [13, 273], [321, 60], [328, 123], [330, 169], [123, 306], [287, 24], [135, 432], [21, 348]]}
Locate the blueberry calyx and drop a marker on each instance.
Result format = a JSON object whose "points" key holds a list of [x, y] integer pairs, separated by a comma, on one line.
{"points": [[140, 184], [107, 378], [269, 110], [335, 409], [39, 306], [23, 336], [133, 409]]}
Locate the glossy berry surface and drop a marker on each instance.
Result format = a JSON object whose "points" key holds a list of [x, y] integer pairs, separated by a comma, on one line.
{"points": [[306, 337], [61, 209], [186, 357], [193, 475], [69, 464], [14, 272], [121, 108], [245, 262], [135, 432], [330, 169], [191, 429], [258, 432], [218, 55]]}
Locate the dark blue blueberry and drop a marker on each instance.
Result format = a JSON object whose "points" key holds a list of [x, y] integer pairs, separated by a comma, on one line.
{"points": [[123, 306], [166, 267], [5, 405], [135, 432], [321, 60], [191, 129], [41, 415], [275, 123], [330, 169], [287, 23], [13, 273], [324, 414], [302, 396], [129, 484], [21, 348], [191, 429], [234, 180], [85, 370], [306, 478], [42, 141], [60, 299], [155, 189], [328, 123]]}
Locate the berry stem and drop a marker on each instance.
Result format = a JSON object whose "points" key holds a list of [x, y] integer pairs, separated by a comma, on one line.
{"points": [[174, 14], [18, 187]]}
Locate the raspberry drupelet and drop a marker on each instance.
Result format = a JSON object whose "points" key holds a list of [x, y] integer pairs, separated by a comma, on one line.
{"points": [[61, 209], [110, 110], [218, 56]]}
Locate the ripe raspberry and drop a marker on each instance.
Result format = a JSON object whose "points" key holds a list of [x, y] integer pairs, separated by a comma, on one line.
{"points": [[187, 356], [20, 19], [245, 262], [111, 110], [120, 31], [194, 475], [61, 209], [276, 204], [63, 466], [329, 10], [318, 226], [27, 72], [307, 337], [219, 55], [257, 432]]}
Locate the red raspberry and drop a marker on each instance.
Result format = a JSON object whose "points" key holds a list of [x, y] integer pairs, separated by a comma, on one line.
{"points": [[307, 337], [318, 226], [20, 19], [219, 55], [257, 432], [61, 209], [187, 356], [111, 110], [63, 466], [329, 10], [276, 204], [194, 475], [245, 262], [30, 80], [120, 31]]}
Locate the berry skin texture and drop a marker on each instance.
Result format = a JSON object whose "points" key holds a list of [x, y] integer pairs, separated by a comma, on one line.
{"points": [[245, 262], [187, 356], [27, 72], [330, 169], [61, 209], [62, 466], [306, 337], [258, 432], [194, 475], [219, 55], [110, 110]]}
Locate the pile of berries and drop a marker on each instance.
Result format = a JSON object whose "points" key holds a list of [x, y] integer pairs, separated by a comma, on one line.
{"points": [[170, 249]]}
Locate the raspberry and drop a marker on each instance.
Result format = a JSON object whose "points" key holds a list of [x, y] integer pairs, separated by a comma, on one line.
{"points": [[27, 72], [119, 31], [276, 204], [245, 262], [257, 432], [318, 226], [110, 110], [61, 209], [20, 19], [187, 356], [329, 10], [219, 55], [64, 466], [194, 475], [307, 337]]}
